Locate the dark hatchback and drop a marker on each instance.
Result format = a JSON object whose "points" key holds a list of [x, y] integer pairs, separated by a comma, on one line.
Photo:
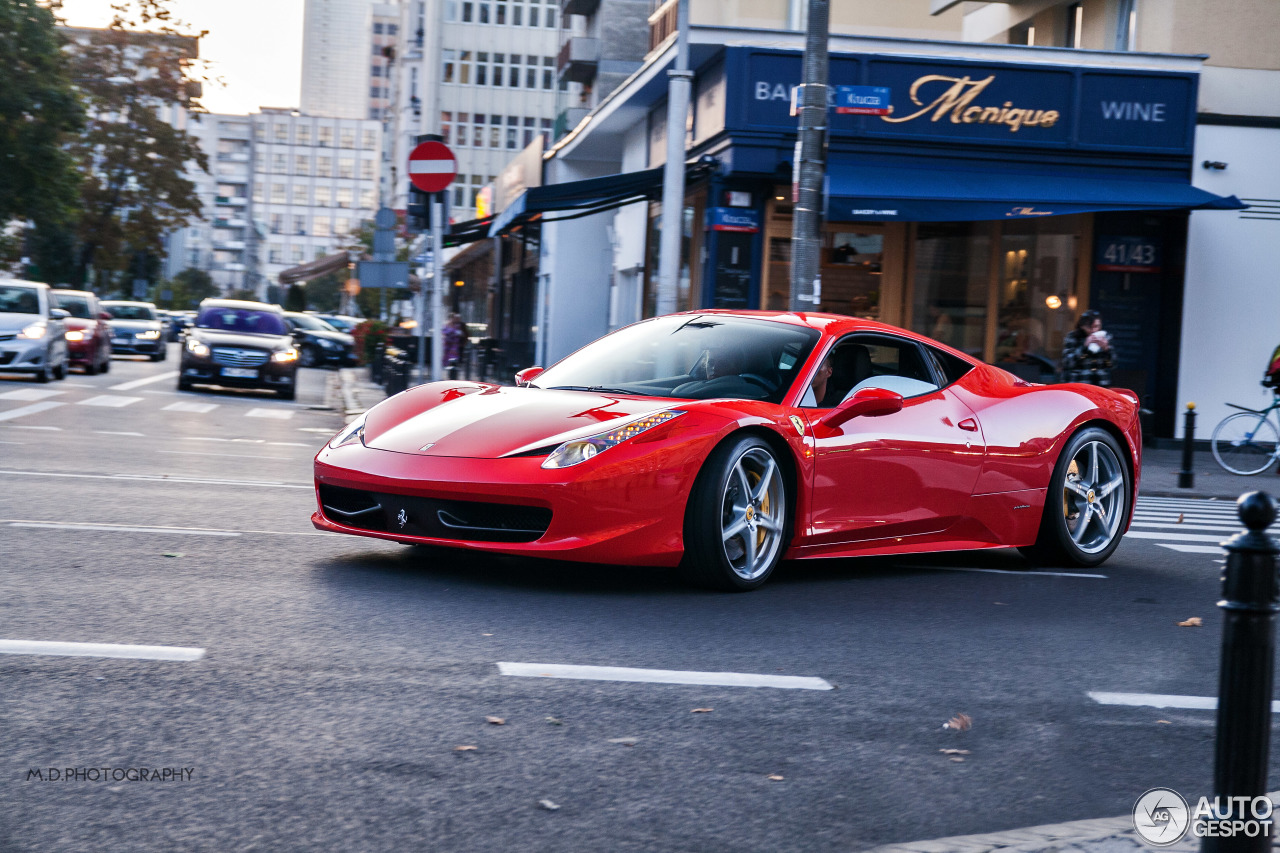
{"points": [[319, 343], [240, 345]]}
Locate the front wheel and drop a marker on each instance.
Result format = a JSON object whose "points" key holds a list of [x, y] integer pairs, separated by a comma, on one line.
{"points": [[1088, 503], [309, 358], [1245, 443], [736, 524]]}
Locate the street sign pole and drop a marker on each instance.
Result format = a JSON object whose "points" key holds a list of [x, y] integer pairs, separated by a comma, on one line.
{"points": [[437, 287], [432, 168]]}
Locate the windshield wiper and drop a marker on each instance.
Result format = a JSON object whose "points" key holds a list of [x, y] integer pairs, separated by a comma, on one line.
{"points": [[599, 389]]}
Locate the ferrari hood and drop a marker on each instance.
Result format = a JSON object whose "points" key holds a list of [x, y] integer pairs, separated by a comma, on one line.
{"points": [[490, 422]]}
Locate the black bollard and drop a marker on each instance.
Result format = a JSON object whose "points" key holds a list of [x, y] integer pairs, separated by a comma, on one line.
{"points": [[1187, 476], [1250, 601]]}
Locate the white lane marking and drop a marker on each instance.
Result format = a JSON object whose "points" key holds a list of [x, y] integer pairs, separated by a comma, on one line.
{"points": [[100, 650], [1182, 537], [160, 479], [34, 408], [226, 455], [110, 402], [1161, 700], [208, 531], [233, 440], [29, 394], [289, 444], [1191, 549], [138, 383], [12, 442], [660, 676], [1164, 525], [111, 528], [317, 429], [113, 432], [197, 408], [278, 414], [1028, 573], [22, 426]]}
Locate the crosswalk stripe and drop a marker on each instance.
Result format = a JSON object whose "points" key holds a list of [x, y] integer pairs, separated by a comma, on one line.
{"points": [[1224, 529], [29, 394], [34, 408], [195, 408], [109, 401], [277, 414], [137, 383], [1178, 537], [1192, 549]]}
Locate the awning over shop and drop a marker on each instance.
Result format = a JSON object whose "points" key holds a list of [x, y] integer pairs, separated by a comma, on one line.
{"points": [[461, 233], [315, 269], [929, 194]]}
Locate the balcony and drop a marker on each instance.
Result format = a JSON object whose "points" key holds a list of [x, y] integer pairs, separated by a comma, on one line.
{"points": [[567, 120], [578, 59], [233, 156], [662, 24], [232, 200], [578, 7], [231, 245]]}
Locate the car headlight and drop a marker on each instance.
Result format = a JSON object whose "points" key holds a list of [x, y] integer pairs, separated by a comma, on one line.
{"points": [[581, 449], [34, 332], [195, 347], [75, 336], [352, 432], [148, 335], [285, 355]]}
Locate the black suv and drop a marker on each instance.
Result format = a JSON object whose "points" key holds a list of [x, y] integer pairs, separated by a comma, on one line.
{"points": [[319, 343], [240, 345]]}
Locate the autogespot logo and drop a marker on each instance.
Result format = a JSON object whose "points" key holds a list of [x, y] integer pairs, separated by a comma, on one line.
{"points": [[1161, 817]]}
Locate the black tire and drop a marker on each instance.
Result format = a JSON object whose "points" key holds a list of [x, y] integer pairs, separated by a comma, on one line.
{"points": [[309, 357], [90, 369], [289, 393], [42, 375], [1088, 504], [157, 356], [184, 385], [106, 366], [60, 371], [717, 553]]}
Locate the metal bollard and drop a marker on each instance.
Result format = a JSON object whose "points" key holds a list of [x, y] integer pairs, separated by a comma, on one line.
{"points": [[1250, 601], [1187, 476]]}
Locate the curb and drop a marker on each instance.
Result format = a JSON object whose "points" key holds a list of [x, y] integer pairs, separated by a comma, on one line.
{"points": [[350, 405]]}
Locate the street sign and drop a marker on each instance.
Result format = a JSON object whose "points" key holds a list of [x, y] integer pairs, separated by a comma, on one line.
{"points": [[862, 100], [432, 167], [374, 274]]}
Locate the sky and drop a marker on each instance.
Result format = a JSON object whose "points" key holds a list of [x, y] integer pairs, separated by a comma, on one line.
{"points": [[255, 46]]}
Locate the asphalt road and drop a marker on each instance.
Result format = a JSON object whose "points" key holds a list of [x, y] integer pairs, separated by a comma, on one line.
{"points": [[340, 676]]}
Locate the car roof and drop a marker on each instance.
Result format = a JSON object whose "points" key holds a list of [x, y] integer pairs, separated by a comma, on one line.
{"points": [[127, 302], [241, 303], [24, 282], [61, 291]]}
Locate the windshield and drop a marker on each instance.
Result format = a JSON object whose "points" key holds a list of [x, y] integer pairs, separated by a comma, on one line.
{"points": [[15, 299], [129, 312], [244, 320], [306, 321], [690, 357], [76, 306], [339, 324]]}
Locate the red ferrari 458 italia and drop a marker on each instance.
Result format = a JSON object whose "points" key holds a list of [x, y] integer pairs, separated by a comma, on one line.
{"points": [[727, 441]]}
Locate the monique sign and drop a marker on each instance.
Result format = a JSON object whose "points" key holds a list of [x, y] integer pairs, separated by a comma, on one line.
{"points": [[954, 101]]}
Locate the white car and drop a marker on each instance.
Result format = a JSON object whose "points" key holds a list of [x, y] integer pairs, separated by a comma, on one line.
{"points": [[32, 334]]}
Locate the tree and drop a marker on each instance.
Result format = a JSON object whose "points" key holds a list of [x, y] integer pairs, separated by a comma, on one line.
{"points": [[38, 112], [295, 299], [188, 288], [132, 156]]}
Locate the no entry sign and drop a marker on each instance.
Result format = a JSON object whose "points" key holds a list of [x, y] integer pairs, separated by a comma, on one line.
{"points": [[432, 167]]}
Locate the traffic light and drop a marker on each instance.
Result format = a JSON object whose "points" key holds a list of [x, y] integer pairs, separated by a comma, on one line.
{"points": [[419, 212]]}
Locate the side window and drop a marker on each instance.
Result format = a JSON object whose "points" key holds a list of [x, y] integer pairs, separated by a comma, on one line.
{"points": [[875, 361], [947, 365]]}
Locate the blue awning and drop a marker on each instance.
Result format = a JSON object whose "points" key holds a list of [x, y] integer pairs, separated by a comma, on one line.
{"points": [[895, 193]]}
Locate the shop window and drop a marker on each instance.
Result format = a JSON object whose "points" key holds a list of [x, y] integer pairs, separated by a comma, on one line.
{"points": [[949, 302], [1036, 292], [852, 270]]}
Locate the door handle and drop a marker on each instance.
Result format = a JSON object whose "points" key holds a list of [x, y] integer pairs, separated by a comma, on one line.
{"points": [[968, 424]]}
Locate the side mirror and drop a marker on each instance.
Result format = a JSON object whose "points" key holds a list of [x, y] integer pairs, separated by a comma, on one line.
{"points": [[104, 315], [869, 403], [59, 314], [524, 377]]}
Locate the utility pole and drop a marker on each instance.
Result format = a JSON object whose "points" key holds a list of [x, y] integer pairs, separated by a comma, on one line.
{"points": [[680, 82], [811, 164]]}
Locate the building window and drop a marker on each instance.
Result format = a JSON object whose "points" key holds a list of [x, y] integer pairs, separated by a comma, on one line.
{"points": [[477, 138], [517, 14], [366, 170], [462, 134], [275, 254], [515, 70], [347, 167], [260, 132], [257, 193], [495, 131], [301, 164], [324, 196], [303, 134], [367, 201], [533, 14], [370, 140], [295, 255], [548, 72], [377, 29], [482, 68], [484, 11], [500, 13], [530, 127], [277, 223], [344, 197], [498, 59], [281, 132], [279, 164], [476, 185], [446, 126], [1075, 23], [450, 12], [459, 192], [300, 226], [450, 63], [301, 195], [277, 193], [464, 67], [392, 29], [551, 17], [324, 166], [325, 139], [340, 226], [513, 132], [320, 226], [466, 11], [348, 137]]}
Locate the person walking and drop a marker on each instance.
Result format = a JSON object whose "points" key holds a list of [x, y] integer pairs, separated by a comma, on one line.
{"points": [[1087, 353], [454, 334]]}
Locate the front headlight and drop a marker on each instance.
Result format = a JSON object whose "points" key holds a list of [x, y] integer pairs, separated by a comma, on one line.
{"points": [[326, 343], [34, 332], [195, 347], [353, 431], [581, 449], [285, 355], [75, 336], [148, 336]]}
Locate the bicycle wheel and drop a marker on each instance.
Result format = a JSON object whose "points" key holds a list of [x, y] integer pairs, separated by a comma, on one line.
{"points": [[1245, 443]]}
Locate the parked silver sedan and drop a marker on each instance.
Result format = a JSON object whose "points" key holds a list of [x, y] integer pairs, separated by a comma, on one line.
{"points": [[32, 334]]}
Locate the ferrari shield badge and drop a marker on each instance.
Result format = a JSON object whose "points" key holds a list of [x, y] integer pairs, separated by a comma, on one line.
{"points": [[798, 424]]}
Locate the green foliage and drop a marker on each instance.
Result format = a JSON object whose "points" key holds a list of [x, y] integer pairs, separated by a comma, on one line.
{"points": [[295, 299], [369, 335], [187, 288], [325, 293], [133, 76], [244, 293]]}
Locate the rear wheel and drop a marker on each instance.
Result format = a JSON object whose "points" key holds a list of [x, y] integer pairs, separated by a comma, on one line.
{"points": [[289, 393], [1088, 503], [90, 369], [1245, 443], [60, 371], [309, 357], [184, 385], [736, 524], [106, 365], [42, 375]]}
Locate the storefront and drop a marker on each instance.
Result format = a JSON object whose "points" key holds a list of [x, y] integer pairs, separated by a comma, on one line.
{"points": [[993, 204]]}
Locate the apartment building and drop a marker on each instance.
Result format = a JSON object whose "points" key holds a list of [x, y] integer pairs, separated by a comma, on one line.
{"points": [[344, 58], [315, 183]]}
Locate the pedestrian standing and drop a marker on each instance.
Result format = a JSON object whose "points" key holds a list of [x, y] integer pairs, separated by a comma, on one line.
{"points": [[1087, 353], [454, 335]]}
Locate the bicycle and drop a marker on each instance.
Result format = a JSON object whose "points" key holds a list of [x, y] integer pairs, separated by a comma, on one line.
{"points": [[1247, 442]]}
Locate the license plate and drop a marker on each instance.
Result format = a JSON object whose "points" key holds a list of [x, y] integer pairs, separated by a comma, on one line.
{"points": [[240, 373]]}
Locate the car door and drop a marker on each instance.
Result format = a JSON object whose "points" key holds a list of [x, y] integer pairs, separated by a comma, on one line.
{"points": [[904, 474]]}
